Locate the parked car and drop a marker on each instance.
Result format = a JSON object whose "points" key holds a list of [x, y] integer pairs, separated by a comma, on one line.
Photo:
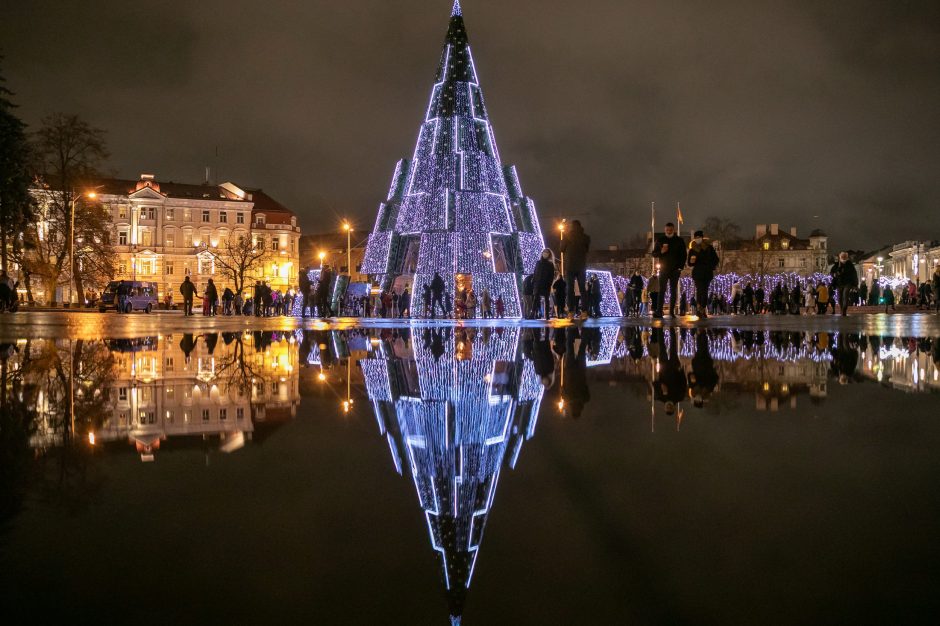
{"points": [[139, 296]]}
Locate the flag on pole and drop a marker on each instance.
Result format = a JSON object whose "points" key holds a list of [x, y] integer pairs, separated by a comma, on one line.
{"points": [[679, 219]]}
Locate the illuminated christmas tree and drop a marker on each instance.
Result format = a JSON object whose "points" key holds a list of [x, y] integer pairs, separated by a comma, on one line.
{"points": [[454, 416], [453, 208]]}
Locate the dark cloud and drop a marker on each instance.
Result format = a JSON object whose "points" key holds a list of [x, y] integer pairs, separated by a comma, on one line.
{"points": [[759, 110]]}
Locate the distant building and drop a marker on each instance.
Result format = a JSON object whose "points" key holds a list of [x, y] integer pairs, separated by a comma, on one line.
{"points": [[333, 248], [774, 251], [910, 260]]}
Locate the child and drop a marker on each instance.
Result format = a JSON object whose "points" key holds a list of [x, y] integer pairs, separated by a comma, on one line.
{"points": [[500, 307]]}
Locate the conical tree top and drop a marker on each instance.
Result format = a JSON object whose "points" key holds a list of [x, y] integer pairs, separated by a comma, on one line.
{"points": [[456, 63]]}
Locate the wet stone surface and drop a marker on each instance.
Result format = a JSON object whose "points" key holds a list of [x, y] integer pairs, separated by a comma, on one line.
{"points": [[269, 472]]}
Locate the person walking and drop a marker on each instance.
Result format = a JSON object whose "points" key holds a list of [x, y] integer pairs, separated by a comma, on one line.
{"points": [[228, 296], [471, 303], [736, 296], [238, 302], [844, 281], [528, 295], [437, 295], [575, 247], [426, 300], [747, 299], [704, 260], [822, 298], [188, 291], [542, 284], [404, 303], [671, 252]]}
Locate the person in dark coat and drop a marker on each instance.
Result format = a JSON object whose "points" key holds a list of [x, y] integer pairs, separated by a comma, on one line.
{"points": [[575, 247], [670, 250], [542, 283], [212, 298], [304, 289], [636, 287], [704, 260], [187, 343], [528, 296], [323, 292], [438, 286], [188, 291], [560, 292], [844, 281]]}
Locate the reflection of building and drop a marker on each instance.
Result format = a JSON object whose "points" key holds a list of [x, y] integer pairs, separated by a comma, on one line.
{"points": [[453, 208], [226, 391], [908, 367], [163, 232], [454, 413]]}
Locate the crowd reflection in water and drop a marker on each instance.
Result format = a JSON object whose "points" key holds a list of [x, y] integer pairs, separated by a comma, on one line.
{"points": [[454, 404]]}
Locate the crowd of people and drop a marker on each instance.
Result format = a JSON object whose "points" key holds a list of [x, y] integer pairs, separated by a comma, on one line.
{"points": [[264, 302]]}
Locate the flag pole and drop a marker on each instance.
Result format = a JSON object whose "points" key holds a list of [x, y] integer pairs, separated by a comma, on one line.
{"points": [[653, 236]]}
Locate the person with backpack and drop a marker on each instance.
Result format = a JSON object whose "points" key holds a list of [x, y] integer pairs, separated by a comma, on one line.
{"points": [[704, 261]]}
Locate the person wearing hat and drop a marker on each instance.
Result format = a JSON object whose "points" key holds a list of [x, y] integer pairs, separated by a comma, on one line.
{"points": [[703, 260]]}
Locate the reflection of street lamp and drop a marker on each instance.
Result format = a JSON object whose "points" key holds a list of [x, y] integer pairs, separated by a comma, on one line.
{"points": [[349, 229]]}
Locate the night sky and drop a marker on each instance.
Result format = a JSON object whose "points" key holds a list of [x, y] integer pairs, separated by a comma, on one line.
{"points": [[806, 113]]}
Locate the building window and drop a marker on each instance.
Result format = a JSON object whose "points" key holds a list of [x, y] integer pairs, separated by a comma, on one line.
{"points": [[168, 268], [223, 217], [122, 394], [122, 212], [292, 242], [122, 268], [187, 215], [239, 413], [205, 415], [122, 238], [187, 239], [223, 414], [781, 263], [239, 218], [169, 239], [766, 245], [803, 262], [275, 244], [205, 216], [259, 220], [146, 267], [146, 238], [150, 213], [259, 243], [785, 244], [169, 215]]}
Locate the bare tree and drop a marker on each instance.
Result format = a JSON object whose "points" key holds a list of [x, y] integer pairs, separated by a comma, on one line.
{"points": [[726, 232], [237, 260], [68, 152]]}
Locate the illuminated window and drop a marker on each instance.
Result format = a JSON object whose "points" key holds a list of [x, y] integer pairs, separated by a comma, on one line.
{"points": [[168, 268], [169, 238], [187, 238], [785, 244], [169, 215], [205, 216], [122, 212], [766, 245]]}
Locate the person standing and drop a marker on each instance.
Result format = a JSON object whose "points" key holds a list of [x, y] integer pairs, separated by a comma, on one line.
{"points": [[437, 295], [404, 303], [936, 291], [636, 288], [188, 291], [653, 293], [671, 252], [822, 298], [844, 281], [559, 292], [542, 284], [212, 299], [486, 303], [575, 247], [304, 287], [426, 300], [323, 292], [703, 259]]}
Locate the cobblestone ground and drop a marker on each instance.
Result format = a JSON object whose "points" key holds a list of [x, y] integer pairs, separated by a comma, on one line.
{"points": [[93, 324]]}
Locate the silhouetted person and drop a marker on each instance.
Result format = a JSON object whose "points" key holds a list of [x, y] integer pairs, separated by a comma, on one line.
{"points": [[704, 377], [704, 261], [575, 247], [188, 291], [437, 295], [670, 250]]}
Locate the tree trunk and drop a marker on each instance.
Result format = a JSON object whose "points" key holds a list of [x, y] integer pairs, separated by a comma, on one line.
{"points": [[3, 248], [79, 289], [50, 283]]}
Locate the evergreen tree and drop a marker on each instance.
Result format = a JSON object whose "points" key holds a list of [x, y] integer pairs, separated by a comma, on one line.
{"points": [[15, 205]]}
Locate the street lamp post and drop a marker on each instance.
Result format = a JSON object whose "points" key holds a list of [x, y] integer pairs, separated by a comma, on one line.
{"points": [[349, 229], [91, 195], [561, 230]]}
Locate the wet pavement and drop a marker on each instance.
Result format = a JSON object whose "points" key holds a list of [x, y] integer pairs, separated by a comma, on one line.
{"points": [[157, 469]]}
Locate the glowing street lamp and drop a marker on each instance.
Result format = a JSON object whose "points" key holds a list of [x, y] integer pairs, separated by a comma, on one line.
{"points": [[562, 225], [322, 256]]}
